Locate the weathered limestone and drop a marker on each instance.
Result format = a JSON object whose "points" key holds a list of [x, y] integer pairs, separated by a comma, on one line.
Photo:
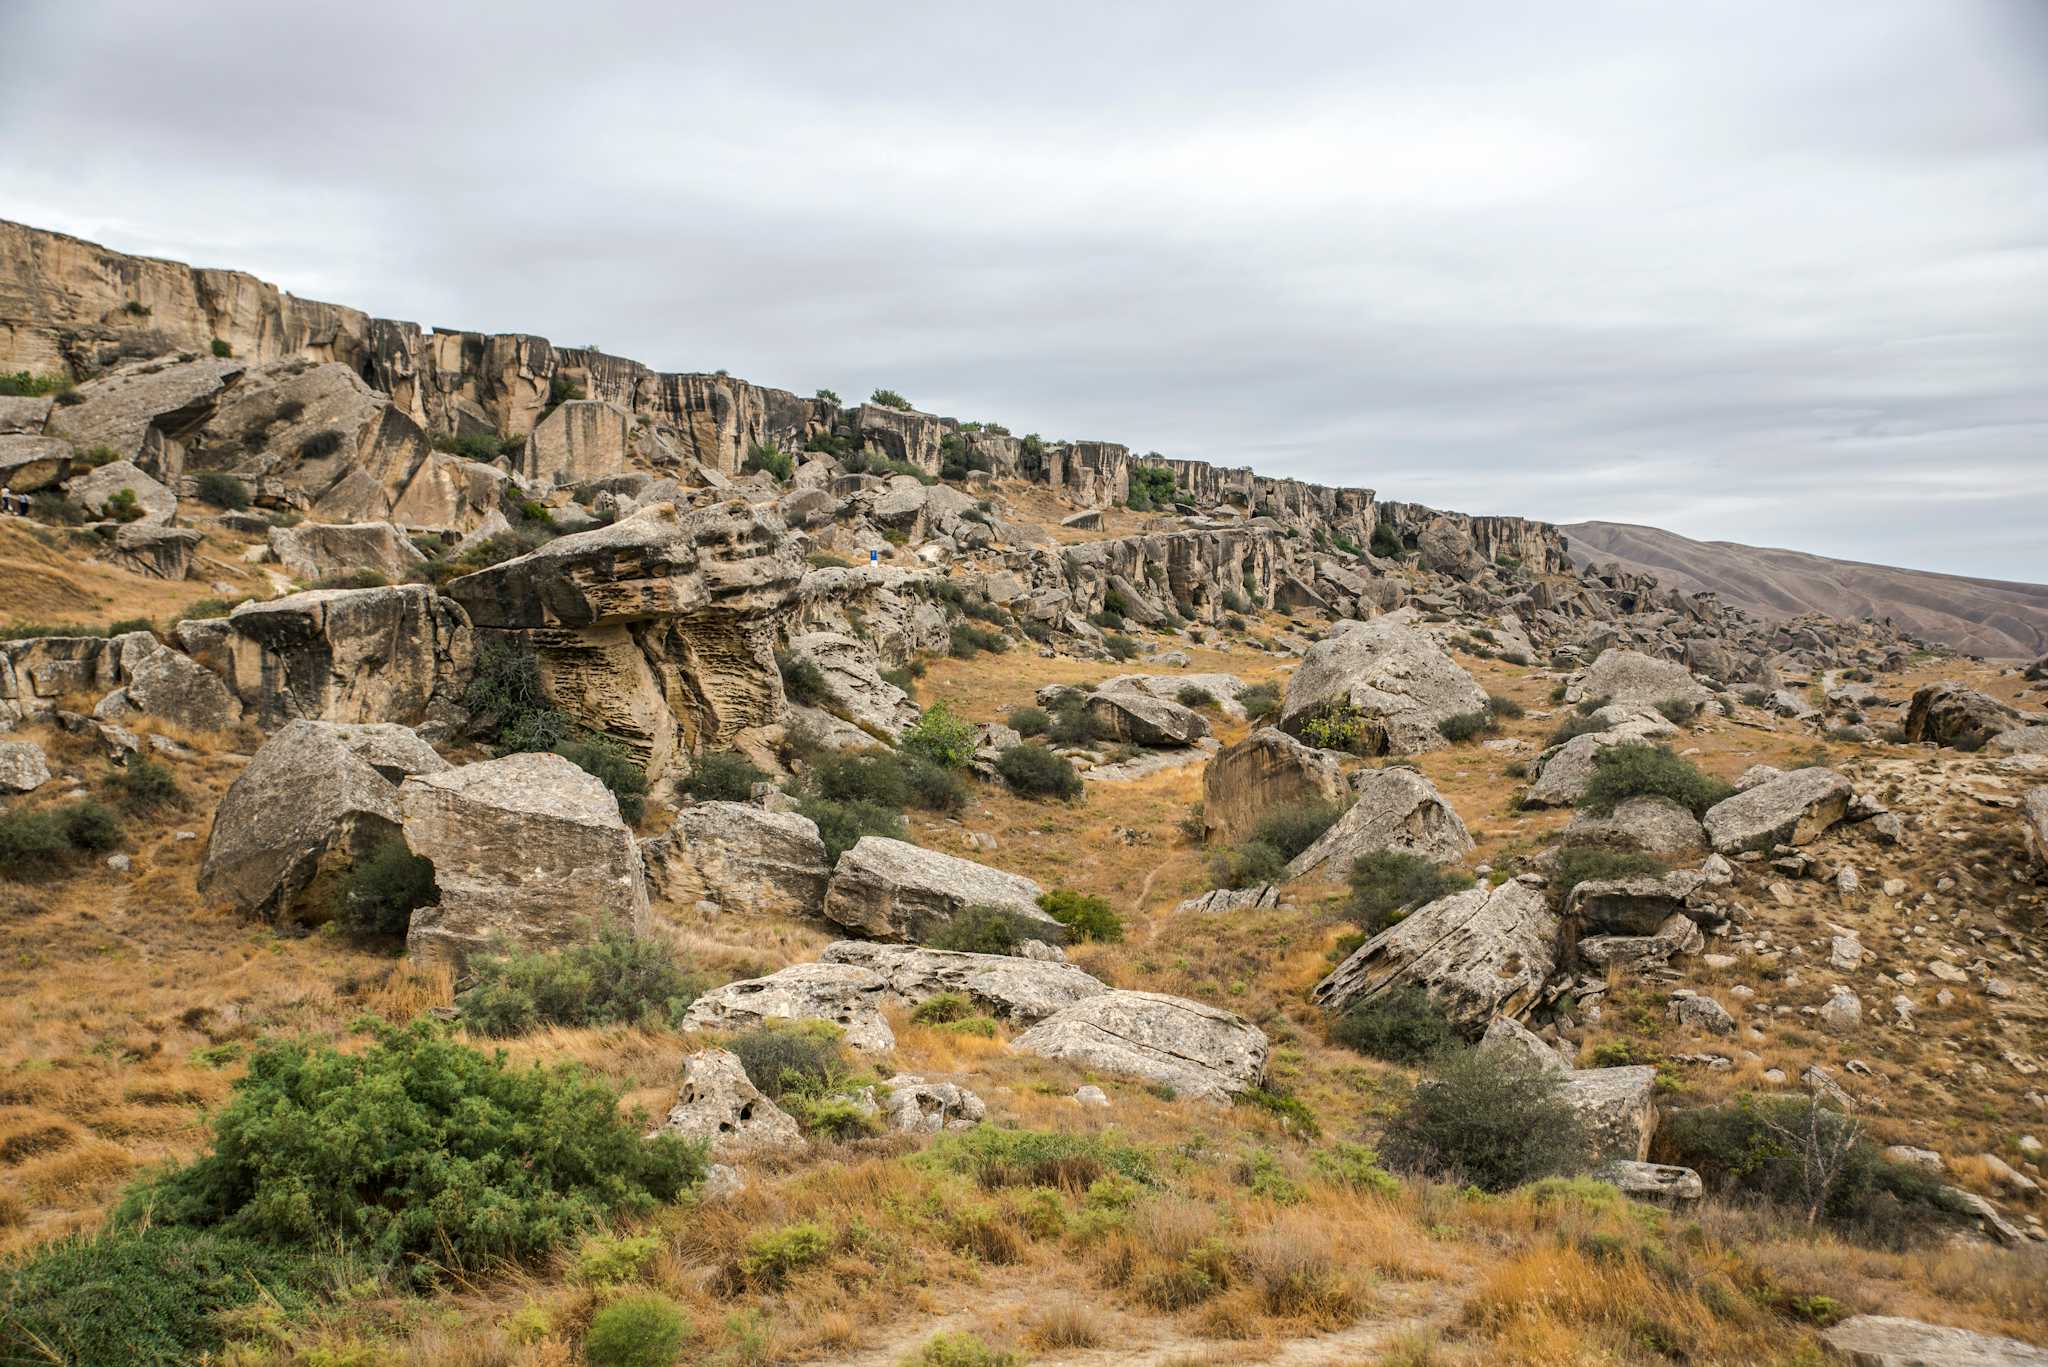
{"points": [[1792, 809], [741, 857], [2034, 827], [845, 995], [164, 683], [528, 852], [854, 688], [1628, 678], [1650, 825], [1197, 1050], [156, 552], [1266, 770], [583, 439], [1618, 1107], [1892, 1341], [1949, 714], [1004, 985], [95, 491], [313, 798], [1657, 1182], [1481, 953], [1678, 934], [1397, 809], [312, 551], [1507, 1036], [23, 769], [1638, 905], [718, 1103], [32, 463], [1143, 719], [1399, 682], [129, 410], [914, 1106], [893, 890]]}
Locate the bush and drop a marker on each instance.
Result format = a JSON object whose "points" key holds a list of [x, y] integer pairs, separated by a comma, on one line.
{"points": [[1634, 769], [876, 776], [123, 506], [1247, 866], [944, 1009], [143, 785], [767, 457], [1074, 724], [791, 1057], [1030, 721], [1574, 726], [1293, 827], [1120, 647], [1151, 487], [941, 736], [320, 445], [1463, 726], [1085, 917], [618, 980], [1402, 1026], [645, 1330], [1386, 542], [1388, 884], [1487, 1118], [21, 384], [996, 1157], [1678, 711], [1501, 705], [32, 845], [1578, 864], [889, 398], [986, 930], [1260, 701], [1337, 726], [959, 1348], [770, 1255], [803, 683], [1033, 771], [507, 697], [722, 776], [842, 824], [222, 491], [1194, 695], [607, 761], [418, 1151], [221, 348], [969, 641], [382, 889], [149, 1297]]}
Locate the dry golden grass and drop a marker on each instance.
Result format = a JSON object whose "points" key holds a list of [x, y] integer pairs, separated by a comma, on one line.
{"points": [[50, 576]]}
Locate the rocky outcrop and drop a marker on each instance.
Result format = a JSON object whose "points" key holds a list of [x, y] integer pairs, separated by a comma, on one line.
{"points": [[1792, 809], [32, 463], [580, 440], [1512, 1039], [1394, 682], [1267, 770], [1142, 719], [1618, 1107], [1638, 905], [1481, 953], [1004, 985], [2034, 827], [739, 858], [911, 1105], [854, 688], [1892, 1341], [38, 673], [528, 853], [1195, 1049], [154, 552], [1677, 934], [98, 491], [1627, 678], [314, 798], [658, 630], [1396, 809], [1659, 1183], [718, 1104], [893, 890], [845, 995], [136, 410], [160, 682], [1949, 714], [312, 551]]}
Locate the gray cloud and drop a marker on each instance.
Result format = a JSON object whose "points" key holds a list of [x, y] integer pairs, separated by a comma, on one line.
{"points": [[1754, 271]]}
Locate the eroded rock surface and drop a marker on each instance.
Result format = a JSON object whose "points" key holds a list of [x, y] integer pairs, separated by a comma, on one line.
{"points": [[1481, 953], [743, 858], [1197, 1050], [718, 1103], [893, 890], [1004, 985], [846, 995], [1396, 680], [1792, 809], [1396, 809], [1266, 770]]}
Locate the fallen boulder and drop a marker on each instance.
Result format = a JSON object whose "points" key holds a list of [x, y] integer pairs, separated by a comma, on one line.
{"points": [[854, 687], [894, 890], [2034, 826], [1480, 953], [154, 552], [312, 551], [910, 1105], [1005, 985], [1630, 678], [163, 683], [1949, 714], [99, 493], [1512, 1039], [719, 1104], [1792, 809], [22, 766], [1679, 934], [846, 995], [741, 857], [1396, 809], [1660, 1183], [1390, 682], [1195, 1049], [1142, 719], [1618, 1107], [1639, 905], [1648, 825]]}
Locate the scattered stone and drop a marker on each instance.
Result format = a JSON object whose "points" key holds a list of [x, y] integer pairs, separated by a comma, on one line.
{"points": [[1695, 1012], [1397, 683], [1510, 1037], [1628, 678], [23, 769], [1266, 770], [1091, 1096], [914, 1106]]}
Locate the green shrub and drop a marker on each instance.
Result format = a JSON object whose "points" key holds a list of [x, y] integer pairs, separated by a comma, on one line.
{"points": [[969, 641], [1386, 542], [351, 579], [1678, 711], [842, 824], [1260, 701], [607, 761], [23, 385], [1338, 726], [32, 845], [1487, 1118], [986, 930], [934, 787], [1403, 1025], [1464, 726], [561, 390], [1292, 827], [496, 550], [942, 736], [770, 1255], [1578, 864], [1634, 769], [943, 1009], [769, 458], [825, 560], [1388, 884], [618, 980], [481, 447], [382, 889], [995, 1157], [644, 1330], [221, 348], [607, 1260], [803, 683], [89, 827], [507, 698], [47, 505], [1074, 724], [959, 1348], [150, 1297], [1573, 726], [1247, 866], [791, 1057], [722, 776], [1356, 1166], [145, 785], [876, 776], [1120, 647], [222, 491], [889, 398], [320, 445], [1085, 917], [1501, 705], [1031, 770], [1030, 721], [419, 1151], [123, 506]]}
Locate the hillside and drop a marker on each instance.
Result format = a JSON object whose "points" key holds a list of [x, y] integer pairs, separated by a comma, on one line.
{"points": [[1986, 617]]}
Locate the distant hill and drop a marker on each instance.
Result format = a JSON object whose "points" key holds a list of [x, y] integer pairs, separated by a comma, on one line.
{"points": [[1986, 617]]}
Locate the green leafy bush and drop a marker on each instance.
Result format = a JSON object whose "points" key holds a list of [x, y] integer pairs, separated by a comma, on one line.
{"points": [[1573, 726], [643, 1330], [1120, 647], [40, 843], [1403, 1025], [618, 980], [1678, 711], [1247, 865], [1338, 726], [1030, 721], [1031, 770], [959, 1348], [1388, 884], [144, 785], [723, 776], [607, 761], [21, 384], [1086, 917], [123, 506], [382, 889], [889, 398], [1634, 769], [150, 1297], [1260, 701], [784, 1057], [996, 1157], [1151, 487], [1501, 705], [1294, 826], [1487, 1118], [320, 445], [944, 1009], [222, 491], [1074, 724], [418, 1151], [1386, 542], [969, 641], [221, 348], [942, 736], [1464, 726], [1194, 695], [986, 930], [771, 459], [481, 447], [1578, 864], [842, 824], [803, 683], [509, 701]]}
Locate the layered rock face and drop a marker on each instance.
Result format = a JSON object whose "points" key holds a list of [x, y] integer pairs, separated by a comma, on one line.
{"points": [[658, 630], [740, 857]]}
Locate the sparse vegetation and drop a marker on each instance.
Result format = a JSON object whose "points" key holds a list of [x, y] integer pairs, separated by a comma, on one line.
{"points": [[1402, 1025], [1085, 917], [382, 889], [723, 776], [1578, 864], [619, 979], [222, 491], [39, 843], [987, 930], [889, 398], [1635, 769], [1388, 884], [1032, 770], [767, 458]]}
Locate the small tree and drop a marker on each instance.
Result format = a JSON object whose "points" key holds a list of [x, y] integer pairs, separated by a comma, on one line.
{"points": [[1489, 1118], [889, 398], [1820, 1140]]}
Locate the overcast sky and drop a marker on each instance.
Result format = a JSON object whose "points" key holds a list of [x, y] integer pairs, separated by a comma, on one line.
{"points": [[1772, 272]]}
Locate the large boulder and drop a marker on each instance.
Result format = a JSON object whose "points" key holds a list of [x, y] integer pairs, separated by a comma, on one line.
{"points": [[1659, 1183], [1629, 678], [1266, 770], [1445, 546], [95, 491], [1397, 809], [1792, 809], [1005, 985], [1224, 688], [1648, 825], [1197, 1050], [1513, 1040], [1618, 1107], [529, 852], [1394, 680], [1679, 934], [1893, 1341], [742, 857], [29, 463], [312, 551], [719, 1104], [1143, 719], [130, 410], [894, 890], [313, 798], [22, 767], [1947, 713], [2034, 827], [1638, 905], [845, 995], [854, 687], [1481, 953], [1564, 771], [154, 552], [911, 1105], [163, 683], [580, 440]]}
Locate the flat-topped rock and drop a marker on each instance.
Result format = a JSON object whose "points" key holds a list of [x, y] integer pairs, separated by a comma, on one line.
{"points": [[1793, 809], [1631, 678], [1892, 1341], [1618, 1107], [1197, 1050], [1005, 985], [846, 995], [894, 890], [312, 551], [1397, 681]]}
